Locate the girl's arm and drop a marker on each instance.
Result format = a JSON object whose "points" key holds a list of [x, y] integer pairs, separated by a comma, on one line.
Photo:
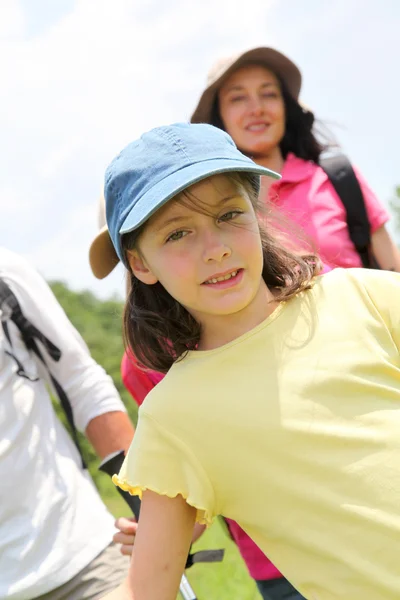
{"points": [[385, 250], [161, 548], [127, 532]]}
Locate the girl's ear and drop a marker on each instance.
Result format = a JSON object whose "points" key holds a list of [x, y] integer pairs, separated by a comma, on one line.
{"points": [[139, 268]]}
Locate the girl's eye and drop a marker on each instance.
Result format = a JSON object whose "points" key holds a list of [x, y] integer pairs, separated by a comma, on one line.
{"points": [[177, 235], [232, 214], [237, 98]]}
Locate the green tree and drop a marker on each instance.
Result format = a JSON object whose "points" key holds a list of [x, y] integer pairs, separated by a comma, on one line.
{"points": [[100, 324]]}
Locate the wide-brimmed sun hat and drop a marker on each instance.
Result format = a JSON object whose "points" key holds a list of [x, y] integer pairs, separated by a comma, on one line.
{"points": [[161, 164], [277, 62], [102, 256]]}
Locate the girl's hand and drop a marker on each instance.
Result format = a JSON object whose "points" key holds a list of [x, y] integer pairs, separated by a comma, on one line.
{"points": [[126, 534]]}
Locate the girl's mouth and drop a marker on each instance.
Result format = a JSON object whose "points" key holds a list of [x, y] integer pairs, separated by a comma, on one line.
{"points": [[227, 280]]}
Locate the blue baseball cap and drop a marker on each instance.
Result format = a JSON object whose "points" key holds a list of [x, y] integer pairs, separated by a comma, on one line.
{"points": [[161, 164]]}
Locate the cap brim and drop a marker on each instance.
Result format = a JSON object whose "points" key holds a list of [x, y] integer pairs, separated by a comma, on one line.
{"points": [[175, 183], [102, 256], [280, 64]]}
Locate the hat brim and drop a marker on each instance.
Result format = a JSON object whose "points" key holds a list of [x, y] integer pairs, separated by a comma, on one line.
{"points": [[102, 256], [175, 183], [270, 58]]}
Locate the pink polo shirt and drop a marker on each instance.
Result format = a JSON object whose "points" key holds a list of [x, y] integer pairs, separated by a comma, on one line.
{"points": [[306, 196]]}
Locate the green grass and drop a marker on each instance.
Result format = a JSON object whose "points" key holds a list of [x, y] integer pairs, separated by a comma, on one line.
{"points": [[228, 580]]}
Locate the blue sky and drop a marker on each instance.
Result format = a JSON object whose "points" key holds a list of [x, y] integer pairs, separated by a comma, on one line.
{"points": [[81, 78]]}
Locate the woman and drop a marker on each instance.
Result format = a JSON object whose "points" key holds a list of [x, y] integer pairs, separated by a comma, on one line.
{"points": [[254, 97]]}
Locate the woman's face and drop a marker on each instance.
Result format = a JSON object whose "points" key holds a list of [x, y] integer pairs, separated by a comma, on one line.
{"points": [[252, 110]]}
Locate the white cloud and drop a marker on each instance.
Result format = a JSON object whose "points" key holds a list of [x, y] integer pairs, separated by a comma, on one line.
{"points": [[98, 76], [54, 160], [12, 22], [12, 203], [75, 94], [105, 66]]}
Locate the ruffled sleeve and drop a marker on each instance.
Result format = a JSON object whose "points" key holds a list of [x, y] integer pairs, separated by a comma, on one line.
{"points": [[158, 461]]}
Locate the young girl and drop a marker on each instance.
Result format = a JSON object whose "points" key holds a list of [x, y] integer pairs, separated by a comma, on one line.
{"points": [[311, 469]]}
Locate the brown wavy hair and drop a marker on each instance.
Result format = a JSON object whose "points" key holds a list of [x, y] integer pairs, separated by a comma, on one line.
{"points": [[160, 331]]}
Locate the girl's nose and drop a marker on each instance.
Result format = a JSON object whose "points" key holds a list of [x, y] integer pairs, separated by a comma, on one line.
{"points": [[215, 249]]}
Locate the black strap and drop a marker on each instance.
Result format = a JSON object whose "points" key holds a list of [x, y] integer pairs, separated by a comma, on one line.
{"points": [[11, 310], [344, 180], [205, 556]]}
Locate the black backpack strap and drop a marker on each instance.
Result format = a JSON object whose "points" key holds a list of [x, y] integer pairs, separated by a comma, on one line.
{"points": [[341, 174], [205, 556], [11, 310]]}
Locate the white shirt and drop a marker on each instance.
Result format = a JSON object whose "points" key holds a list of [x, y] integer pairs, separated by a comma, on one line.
{"points": [[52, 520]]}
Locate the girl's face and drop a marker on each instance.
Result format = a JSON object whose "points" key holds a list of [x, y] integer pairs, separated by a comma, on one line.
{"points": [[209, 259], [252, 110]]}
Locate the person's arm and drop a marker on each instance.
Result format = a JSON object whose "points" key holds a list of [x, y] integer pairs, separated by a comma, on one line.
{"points": [[126, 533], [110, 432], [383, 247], [90, 390], [198, 531], [385, 250], [161, 547], [122, 592]]}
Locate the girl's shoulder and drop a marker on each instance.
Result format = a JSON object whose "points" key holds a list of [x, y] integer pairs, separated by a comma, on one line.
{"points": [[172, 390], [363, 276], [384, 286]]}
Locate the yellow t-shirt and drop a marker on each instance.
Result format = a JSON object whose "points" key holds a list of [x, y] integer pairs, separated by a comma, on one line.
{"points": [[293, 431]]}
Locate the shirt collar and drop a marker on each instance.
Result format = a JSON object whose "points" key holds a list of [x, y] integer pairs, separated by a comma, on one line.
{"points": [[296, 169]]}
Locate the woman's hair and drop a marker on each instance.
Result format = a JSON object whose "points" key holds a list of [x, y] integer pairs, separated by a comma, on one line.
{"points": [[300, 136], [160, 331]]}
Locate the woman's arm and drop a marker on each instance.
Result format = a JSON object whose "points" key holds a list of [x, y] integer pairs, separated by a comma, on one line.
{"points": [[161, 548], [385, 250]]}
